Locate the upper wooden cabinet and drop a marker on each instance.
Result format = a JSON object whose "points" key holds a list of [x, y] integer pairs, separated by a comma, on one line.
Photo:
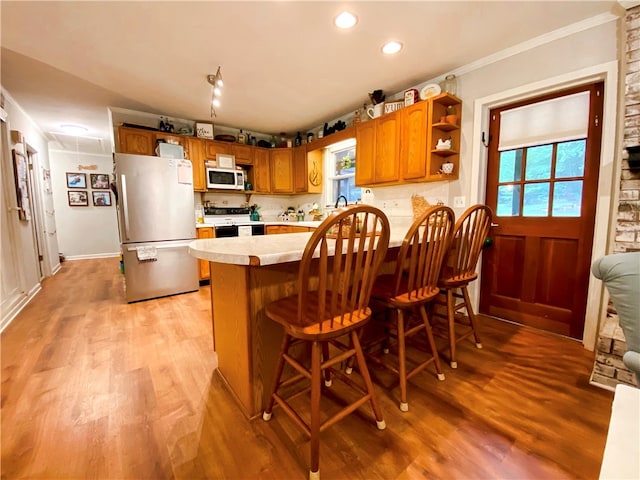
{"points": [[365, 152], [413, 141], [212, 147], [261, 171], [281, 170], [136, 141], [386, 167], [196, 155], [377, 151], [448, 129], [300, 179], [401, 146], [243, 154]]}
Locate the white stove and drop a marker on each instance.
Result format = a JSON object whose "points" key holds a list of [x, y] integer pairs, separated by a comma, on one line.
{"points": [[232, 221]]}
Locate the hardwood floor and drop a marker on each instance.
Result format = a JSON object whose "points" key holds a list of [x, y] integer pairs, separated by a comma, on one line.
{"points": [[95, 388]]}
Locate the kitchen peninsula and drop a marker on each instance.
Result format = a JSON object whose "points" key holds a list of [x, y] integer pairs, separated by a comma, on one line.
{"points": [[247, 273]]}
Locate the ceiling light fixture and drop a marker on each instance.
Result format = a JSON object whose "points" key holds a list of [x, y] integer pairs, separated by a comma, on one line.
{"points": [[345, 20], [391, 47], [216, 82], [72, 129]]}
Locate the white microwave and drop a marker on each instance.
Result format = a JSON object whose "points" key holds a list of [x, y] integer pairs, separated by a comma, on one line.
{"points": [[225, 179]]}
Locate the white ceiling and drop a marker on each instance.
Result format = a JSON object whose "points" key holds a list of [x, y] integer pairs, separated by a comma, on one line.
{"points": [[285, 66]]}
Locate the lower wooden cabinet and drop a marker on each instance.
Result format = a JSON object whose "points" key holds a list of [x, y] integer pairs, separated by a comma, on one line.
{"points": [[203, 265], [275, 229]]}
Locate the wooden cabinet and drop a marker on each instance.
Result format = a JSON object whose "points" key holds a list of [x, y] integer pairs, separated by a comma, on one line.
{"points": [[300, 177], [243, 154], [203, 265], [276, 229], [378, 150], [400, 147], [386, 168], [449, 129], [365, 152], [136, 141], [211, 147], [196, 155], [281, 162], [261, 171], [413, 142]]}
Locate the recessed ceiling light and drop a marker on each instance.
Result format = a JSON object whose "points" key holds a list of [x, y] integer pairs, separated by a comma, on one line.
{"points": [[391, 47], [74, 129], [345, 20]]}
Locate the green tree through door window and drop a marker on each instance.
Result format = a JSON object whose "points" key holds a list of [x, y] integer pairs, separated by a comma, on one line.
{"points": [[529, 182]]}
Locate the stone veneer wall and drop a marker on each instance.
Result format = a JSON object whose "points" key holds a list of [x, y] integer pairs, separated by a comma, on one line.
{"points": [[608, 369]]}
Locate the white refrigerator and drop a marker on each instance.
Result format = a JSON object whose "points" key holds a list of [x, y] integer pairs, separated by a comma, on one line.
{"points": [[154, 198]]}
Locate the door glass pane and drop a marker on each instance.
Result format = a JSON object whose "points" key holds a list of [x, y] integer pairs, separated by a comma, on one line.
{"points": [[536, 200], [538, 162], [508, 201], [570, 159], [567, 198], [510, 166]]}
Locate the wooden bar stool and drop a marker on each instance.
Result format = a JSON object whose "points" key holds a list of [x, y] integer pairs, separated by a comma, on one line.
{"points": [[413, 285], [336, 274], [469, 235]]}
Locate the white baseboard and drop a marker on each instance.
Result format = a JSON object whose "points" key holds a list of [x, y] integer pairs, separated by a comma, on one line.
{"points": [[17, 308], [89, 257]]}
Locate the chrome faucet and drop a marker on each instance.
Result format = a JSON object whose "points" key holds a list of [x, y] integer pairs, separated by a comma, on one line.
{"points": [[338, 201]]}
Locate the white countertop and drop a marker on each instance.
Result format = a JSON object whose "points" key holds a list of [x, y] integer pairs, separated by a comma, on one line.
{"points": [[294, 223], [265, 249]]}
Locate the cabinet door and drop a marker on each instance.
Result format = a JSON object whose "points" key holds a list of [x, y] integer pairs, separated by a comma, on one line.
{"points": [[212, 147], [243, 154], [365, 152], [196, 155], [203, 265], [281, 170], [387, 155], [136, 140], [413, 141], [300, 182], [261, 171]]}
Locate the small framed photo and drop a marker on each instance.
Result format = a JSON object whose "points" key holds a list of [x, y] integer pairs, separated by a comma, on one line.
{"points": [[78, 198], [76, 180], [204, 130], [99, 181], [101, 199]]}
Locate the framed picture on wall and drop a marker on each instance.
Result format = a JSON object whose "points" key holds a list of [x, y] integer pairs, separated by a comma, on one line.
{"points": [[99, 181], [78, 198], [76, 180], [101, 199]]}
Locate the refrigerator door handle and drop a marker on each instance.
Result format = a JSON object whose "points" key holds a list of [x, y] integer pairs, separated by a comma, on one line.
{"points": [[125, 207]]}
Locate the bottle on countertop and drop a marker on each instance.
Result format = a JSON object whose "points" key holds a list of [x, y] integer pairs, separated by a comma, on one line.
{"points": [[298, 140], [273, 141], [309, 137], [242, 137]]}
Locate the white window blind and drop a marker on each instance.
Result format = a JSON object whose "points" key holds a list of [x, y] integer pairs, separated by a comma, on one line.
{"points": [[556, 120]]}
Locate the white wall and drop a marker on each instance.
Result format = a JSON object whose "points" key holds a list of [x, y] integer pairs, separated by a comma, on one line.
{"points": [[83, 232], [19, 241], [584, 55]]}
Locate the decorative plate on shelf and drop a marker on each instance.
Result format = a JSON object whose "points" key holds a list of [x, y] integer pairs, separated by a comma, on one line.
{"points": [[430, 90]]}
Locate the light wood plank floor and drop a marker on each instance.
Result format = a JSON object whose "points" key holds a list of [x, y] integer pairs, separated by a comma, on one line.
{"points": [[95, 388]]}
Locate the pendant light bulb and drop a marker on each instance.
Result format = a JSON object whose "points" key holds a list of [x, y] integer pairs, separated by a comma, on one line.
{"points": [[217, 92], [216, 102], [219, 82]]}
